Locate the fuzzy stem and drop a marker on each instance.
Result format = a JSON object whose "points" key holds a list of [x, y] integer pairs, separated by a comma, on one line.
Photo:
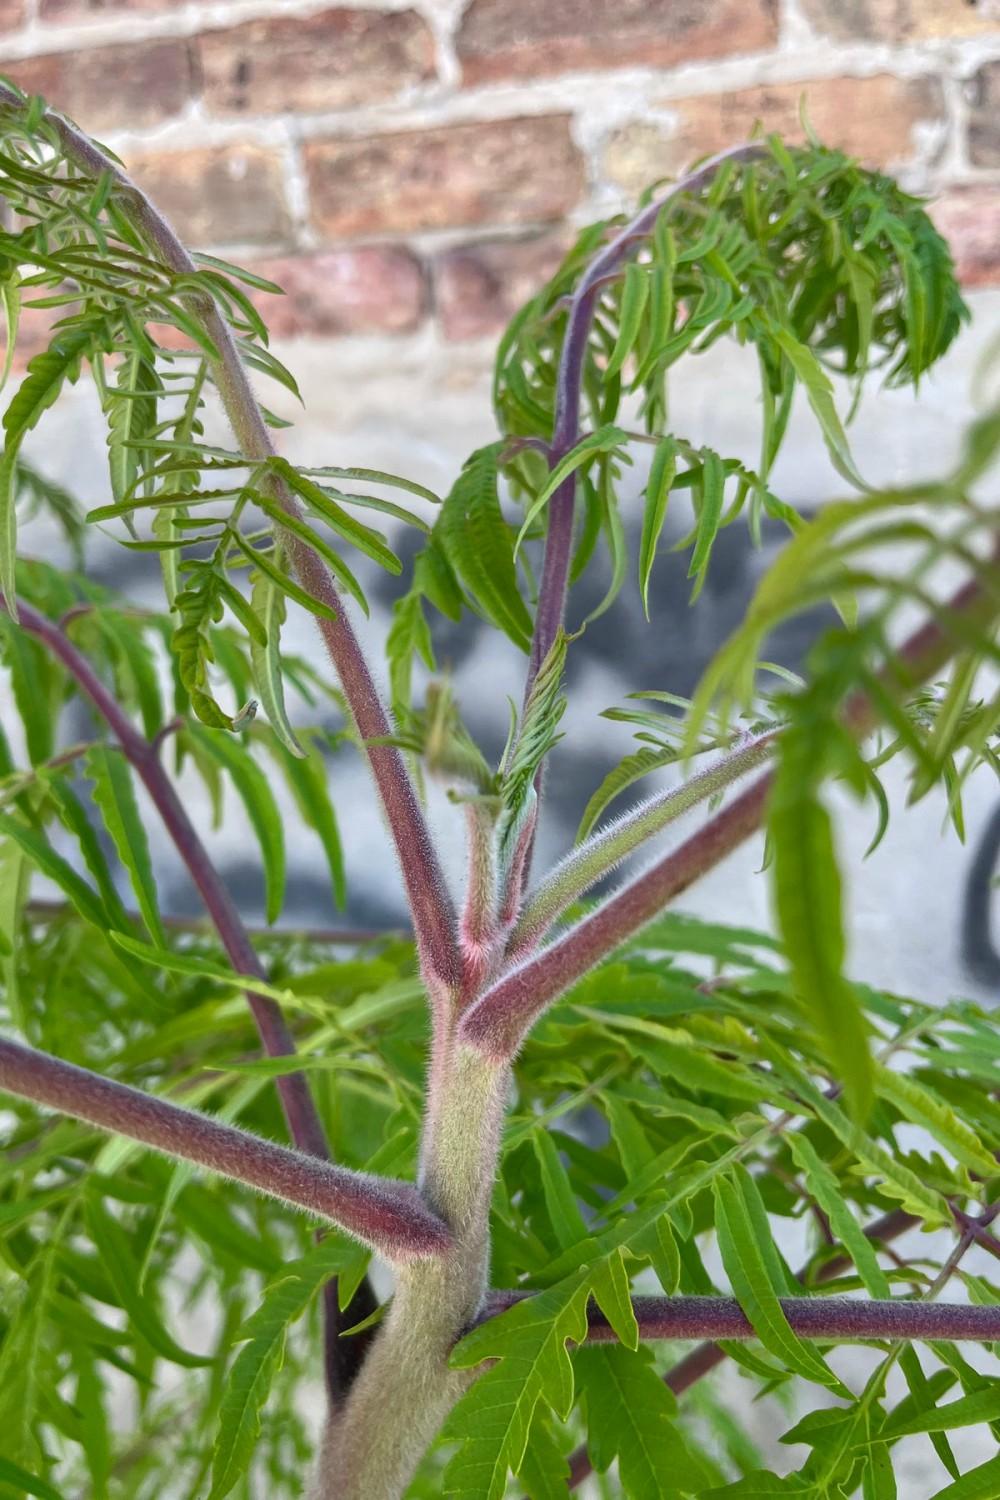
{"points": [[479, 937], [367, 1456], [425, 886], [591, 861], [498, 1023], [569, 381], [840, 1319], [389, 1216], [550, 612], [300, 1110]]}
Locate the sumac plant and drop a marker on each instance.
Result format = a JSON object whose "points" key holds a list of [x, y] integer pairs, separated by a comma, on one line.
{"points": [[567, 1128]]}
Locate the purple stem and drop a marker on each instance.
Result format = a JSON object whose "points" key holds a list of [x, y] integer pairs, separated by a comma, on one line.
{"points": [[976, 1230], [837, 1318], [566, 425], [551, 608], [389, 1216], [300, 1110], [499, 1021]]}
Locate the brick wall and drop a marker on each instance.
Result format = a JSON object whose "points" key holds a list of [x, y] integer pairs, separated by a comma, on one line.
{"points": [[405, 164]]}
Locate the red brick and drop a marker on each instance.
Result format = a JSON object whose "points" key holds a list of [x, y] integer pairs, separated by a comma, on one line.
{"points": [[872, 118], [969, 219], [478, 288], [111, 88], [362, 289], [495, 172], [85, 10], [899, 20], [218, 195], [11, 16], [334, 60], [984, 128], [525, 38]]}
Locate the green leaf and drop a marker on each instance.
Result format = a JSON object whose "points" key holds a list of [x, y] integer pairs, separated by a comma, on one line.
{"points": [[363, 537], [408, 637], [122, 1268], [661, 477], [13, 891], [762, 1484], [981, 1483], [378, 476], [560, 1200], [478, 545], [628, 1135], [536, 736], [239, 273], [544, 1470], [609, 1283], [753, 1283], [8, 528], [306, 533], [493, 1419], [89, 1400], [31, 680], [879, 1482], [115, 798], [131, 413], [631, 1416], [45, 859], [310, 783], [820, 393], [46, 375], [824, 1187], [202, 968], [10, 294], [262, 810], [808, 899], [25, 1483], [633, 303], [268, 603], [713, 488], [895, 1179], [921, 1106], [137, 666], [22, 1354], [250, 1379], [660, 1246], [265, 561], [604, 440], [613, 529], [968, 1411], [630, 769], [678, 1055], [74, 817]]}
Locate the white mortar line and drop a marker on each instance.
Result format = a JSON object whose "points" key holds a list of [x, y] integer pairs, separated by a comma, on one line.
{"points": [[176, 20], [598, 99]]}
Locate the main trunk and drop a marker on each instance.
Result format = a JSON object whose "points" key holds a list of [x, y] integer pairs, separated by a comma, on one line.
{"points": [[405, 1390]]}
